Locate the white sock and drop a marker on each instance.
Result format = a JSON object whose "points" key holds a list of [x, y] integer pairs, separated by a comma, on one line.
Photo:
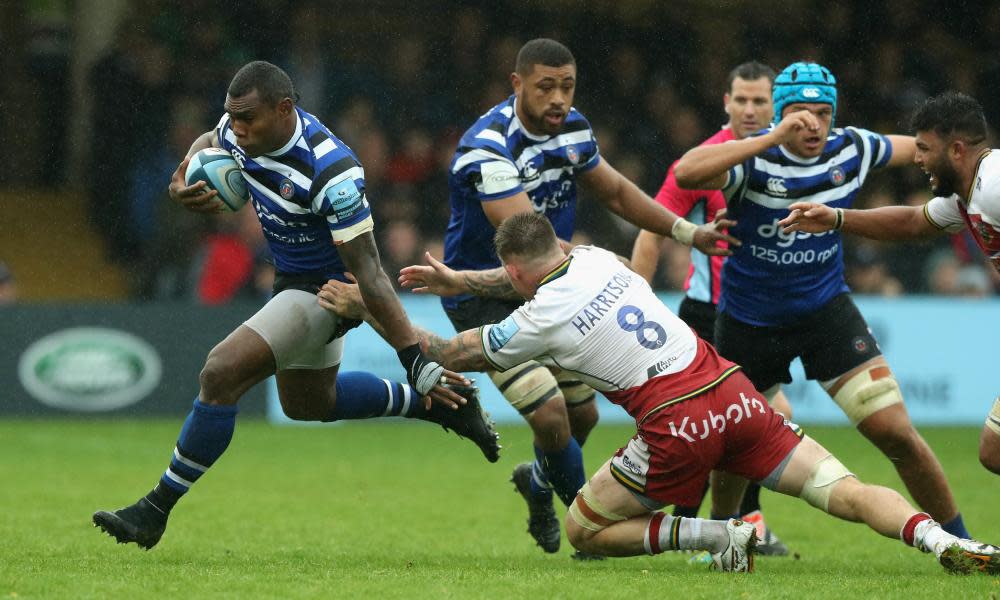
{"points": [[931, 538], [665, 532]]}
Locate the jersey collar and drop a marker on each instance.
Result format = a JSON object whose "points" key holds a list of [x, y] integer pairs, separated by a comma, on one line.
{"points": [[975, 174], [291, 141], [557, 272]]}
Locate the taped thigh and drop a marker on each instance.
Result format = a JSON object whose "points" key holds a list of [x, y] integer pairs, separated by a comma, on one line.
{"points": [[993, 419], [589, 513], [867, 392], [526, 386], [574, 391], [821, 481], [298, 331]]}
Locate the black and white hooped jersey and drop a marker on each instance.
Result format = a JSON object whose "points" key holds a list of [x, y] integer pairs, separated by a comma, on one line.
{"points": [[309, 196], [774, 278], [497, 158]]}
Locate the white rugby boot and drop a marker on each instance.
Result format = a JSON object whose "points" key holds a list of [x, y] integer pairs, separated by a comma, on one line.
{"points": [[738, 556], [957, 555]]}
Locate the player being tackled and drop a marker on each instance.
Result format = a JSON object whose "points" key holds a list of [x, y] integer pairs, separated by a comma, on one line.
{"points": [[695, 411]]}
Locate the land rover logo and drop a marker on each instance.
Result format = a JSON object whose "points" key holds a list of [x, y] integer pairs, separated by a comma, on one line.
{"points": [[89, 369]]}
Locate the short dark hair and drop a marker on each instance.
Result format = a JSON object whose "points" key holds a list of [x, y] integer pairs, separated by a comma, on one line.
{"points": [[527, 235], [750, 71], [951, 114], [272, 84], [542, 51]]}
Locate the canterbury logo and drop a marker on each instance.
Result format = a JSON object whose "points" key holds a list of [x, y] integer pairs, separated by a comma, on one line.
{"points": [[810, 93], [776, 186]]}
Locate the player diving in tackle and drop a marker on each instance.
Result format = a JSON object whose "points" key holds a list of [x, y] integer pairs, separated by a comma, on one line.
{"points": [[308, 189], [695, 411], [952, 147]]}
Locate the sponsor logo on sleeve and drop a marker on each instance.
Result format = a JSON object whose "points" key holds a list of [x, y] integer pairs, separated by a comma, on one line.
{"points": [[501, 333], [345, 200], [89, 369]]}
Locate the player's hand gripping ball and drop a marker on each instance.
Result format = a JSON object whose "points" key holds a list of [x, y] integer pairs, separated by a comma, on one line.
{"points": [[219, 171]]}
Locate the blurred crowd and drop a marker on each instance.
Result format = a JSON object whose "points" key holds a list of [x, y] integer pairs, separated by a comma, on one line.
{"points": [[401, 85]]}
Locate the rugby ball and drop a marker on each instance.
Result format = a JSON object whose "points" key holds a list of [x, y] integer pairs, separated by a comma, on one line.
{"points": [[218, 169]]}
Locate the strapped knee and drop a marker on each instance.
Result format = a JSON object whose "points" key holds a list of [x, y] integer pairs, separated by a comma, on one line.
{"points": [[993, 419], [573, 390], [526, 386], [821, 481], [589, 513], [868, 392]]}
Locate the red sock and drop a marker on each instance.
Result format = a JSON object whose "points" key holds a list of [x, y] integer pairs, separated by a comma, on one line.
{"points": [[911, 525]]}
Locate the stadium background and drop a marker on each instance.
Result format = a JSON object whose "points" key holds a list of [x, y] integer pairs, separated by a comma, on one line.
{"points": [[101, 98]]}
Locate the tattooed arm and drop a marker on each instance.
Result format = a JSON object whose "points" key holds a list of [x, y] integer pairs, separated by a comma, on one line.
{"points": [[464, 352], [437, 278]]}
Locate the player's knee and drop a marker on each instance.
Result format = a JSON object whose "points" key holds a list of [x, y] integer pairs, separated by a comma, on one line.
{"points": [[582, 420], [216, 378], [868, 392], [989, 451], [823, 478], [898, 441], [587, 517]]}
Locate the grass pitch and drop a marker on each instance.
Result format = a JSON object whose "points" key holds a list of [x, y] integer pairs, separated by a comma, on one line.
{"points": [[401, 510]]}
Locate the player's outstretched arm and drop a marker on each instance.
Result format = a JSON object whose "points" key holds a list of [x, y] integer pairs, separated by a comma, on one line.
{"points": [[883, 223], [707, 167], [464, 352], [646, 254], [195, 197], [437, 278], [626, 200], [904, 147], [361, 257]]}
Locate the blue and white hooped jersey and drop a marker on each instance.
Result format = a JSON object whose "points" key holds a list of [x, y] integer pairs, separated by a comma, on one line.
{"points": [[497, 158], [309, 195], [775, 278]]}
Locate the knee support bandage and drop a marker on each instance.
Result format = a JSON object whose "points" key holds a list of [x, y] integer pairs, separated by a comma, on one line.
{"points": [[589, 513], [821, 481], [868, 392]]}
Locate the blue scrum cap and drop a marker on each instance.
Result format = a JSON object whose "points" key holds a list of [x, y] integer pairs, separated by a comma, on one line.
{"points": [[804, 82]]}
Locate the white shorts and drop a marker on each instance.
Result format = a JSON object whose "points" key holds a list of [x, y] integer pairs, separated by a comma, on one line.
{"points": [[298, 331]]}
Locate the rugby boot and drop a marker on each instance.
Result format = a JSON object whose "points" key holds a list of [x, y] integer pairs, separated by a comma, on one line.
{"points": [[969, 556], [738, 555], [768, 544], [543, 525], [468, 421], [141, 523]]}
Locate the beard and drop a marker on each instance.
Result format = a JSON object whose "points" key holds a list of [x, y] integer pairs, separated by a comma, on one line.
{"points": [[946, 179]]}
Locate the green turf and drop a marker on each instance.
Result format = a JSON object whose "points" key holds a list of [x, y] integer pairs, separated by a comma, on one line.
{"points": [[405, 511]]}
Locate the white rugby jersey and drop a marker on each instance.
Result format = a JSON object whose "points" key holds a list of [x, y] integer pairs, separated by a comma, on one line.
{"points": [[980, 213], [595, 317]]}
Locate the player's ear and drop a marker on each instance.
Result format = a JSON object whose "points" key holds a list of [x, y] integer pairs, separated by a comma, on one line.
{"points": [[286, 107], [516, 82]]}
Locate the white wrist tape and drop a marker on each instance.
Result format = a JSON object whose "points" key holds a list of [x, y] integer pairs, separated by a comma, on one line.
{"points": [[683, 231]]}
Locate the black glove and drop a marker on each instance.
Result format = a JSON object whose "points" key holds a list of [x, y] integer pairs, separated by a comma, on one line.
{"points": [[422, 373]]}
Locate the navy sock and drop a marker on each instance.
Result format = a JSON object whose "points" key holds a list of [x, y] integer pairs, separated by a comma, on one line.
{"points": [[956, 527], [205, 435], [541, 489], [751, 499], [361, 395], [564, 470]]}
